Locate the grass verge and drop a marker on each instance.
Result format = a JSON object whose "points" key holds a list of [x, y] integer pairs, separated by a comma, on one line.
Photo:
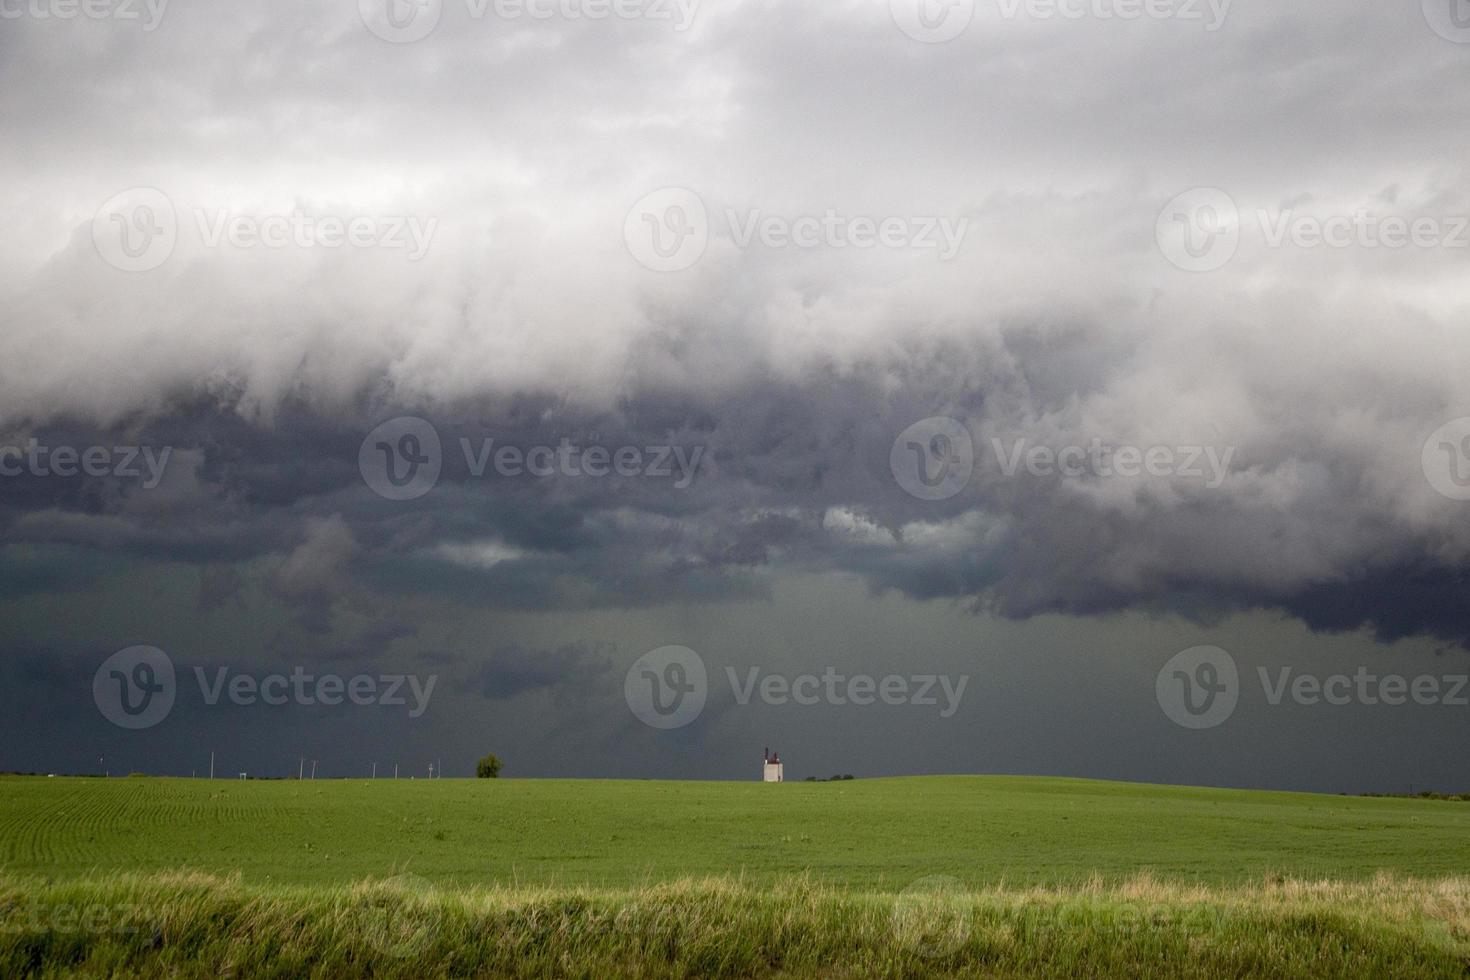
{"points": [[189, 924]]}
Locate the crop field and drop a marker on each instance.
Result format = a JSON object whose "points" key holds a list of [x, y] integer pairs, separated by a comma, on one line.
{"points": [[901, 877]]}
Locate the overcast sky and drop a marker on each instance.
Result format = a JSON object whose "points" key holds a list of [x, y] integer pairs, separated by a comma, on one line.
{"points": [[1006, 347]]}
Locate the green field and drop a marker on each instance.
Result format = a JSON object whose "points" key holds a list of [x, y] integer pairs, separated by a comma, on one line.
{"points": [[961, 875], [871, 835]]}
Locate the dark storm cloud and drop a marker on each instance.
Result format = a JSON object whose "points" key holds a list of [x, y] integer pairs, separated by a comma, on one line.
{"points": [[511, 671], [791, 473], [1314, 375]]}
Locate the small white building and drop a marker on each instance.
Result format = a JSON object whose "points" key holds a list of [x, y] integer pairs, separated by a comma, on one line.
{"points": [[775, 772]]}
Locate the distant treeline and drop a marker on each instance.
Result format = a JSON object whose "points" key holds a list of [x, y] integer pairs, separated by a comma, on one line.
{"points": [[1426, 795]]}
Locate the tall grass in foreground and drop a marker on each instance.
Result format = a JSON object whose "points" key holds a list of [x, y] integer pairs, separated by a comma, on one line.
{"points": [[193, 925]]}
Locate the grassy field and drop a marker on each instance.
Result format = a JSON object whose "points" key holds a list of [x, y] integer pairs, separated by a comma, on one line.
{"points": [[871, 835], [902, 877]]}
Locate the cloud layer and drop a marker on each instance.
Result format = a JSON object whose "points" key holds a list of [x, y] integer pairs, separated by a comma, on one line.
{"points": [[458, 221]]}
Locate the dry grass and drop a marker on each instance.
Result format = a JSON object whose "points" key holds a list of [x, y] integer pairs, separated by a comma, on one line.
{"points": [[188, 924]]}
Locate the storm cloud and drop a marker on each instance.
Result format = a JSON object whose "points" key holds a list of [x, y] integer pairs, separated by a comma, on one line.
{"points": [[447, 230]]}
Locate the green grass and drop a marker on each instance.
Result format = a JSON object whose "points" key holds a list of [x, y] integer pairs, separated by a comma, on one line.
{"points": [[903, 877], [872, 835], [195, 926]]}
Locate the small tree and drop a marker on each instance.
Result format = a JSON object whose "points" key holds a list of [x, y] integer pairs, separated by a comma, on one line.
{"points": [[488, 767]]}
